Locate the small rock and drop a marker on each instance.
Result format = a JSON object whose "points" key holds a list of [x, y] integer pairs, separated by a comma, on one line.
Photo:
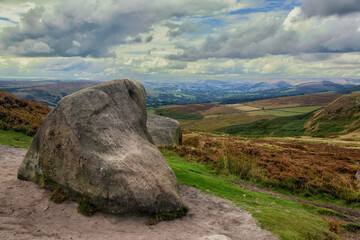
{"points": [[357, 176], [164, 131]]}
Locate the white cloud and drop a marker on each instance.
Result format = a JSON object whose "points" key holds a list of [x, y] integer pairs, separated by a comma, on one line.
{"points": [[271, 33], [13, 12]]}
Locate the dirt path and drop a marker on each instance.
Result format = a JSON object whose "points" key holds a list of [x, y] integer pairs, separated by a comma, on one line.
{"points": [[354, 213], [26, 213]]}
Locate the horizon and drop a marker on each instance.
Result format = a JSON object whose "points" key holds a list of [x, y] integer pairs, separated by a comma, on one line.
{"points": [[250, 41]]}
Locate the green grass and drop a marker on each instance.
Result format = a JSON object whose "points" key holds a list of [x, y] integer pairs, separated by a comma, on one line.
{"points": [[285, 112], [280, 127], [284, 218], [333, 126], [178, 115], [15, 139]]}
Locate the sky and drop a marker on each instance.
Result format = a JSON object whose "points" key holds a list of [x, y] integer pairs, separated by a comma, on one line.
{"points": [[164, 40]]}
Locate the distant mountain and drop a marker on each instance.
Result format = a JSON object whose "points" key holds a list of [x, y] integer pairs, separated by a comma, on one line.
{"points": [[176, 92], [21, 115], [315, 87]]}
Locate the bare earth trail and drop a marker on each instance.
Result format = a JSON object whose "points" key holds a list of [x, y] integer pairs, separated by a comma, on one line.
{"points": [[27, 213]]}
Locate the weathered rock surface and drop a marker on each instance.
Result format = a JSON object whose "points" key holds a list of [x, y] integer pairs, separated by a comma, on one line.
{"points": [[95, 145], [163, 130]]}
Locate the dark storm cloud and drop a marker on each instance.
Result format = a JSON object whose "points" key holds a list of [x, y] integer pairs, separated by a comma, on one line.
{"points": [[330, 7]]}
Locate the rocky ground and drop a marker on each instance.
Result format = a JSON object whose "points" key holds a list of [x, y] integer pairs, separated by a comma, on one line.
{"points": [[27, 213]]}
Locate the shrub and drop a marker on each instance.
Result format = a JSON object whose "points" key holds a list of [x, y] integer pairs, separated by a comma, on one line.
{"points": [[86, 207]]}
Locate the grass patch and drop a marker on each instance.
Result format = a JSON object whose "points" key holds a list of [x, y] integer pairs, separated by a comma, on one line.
{"points": [[86, 207], [15, 139], [167, 216], [324, 211], [351, 227], [177, 114], [285, 112], [284, 218], [331, 126], [281, 127]]}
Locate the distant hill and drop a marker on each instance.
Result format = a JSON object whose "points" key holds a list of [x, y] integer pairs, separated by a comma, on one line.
{"points": [[165, 93], [21, 115], [48, 92], [348, 90], [340, 117], [289, 90], [314, 87]]}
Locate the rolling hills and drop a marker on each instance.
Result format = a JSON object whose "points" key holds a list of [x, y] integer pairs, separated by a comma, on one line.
{"points": [[212, 116], [164, 93], [342, 116]]}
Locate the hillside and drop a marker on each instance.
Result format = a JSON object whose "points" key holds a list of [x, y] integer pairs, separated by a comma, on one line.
{"points": [[21, 115], [340, 117]]}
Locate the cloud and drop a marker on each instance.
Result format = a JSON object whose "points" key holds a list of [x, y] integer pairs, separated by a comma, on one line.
{"points": [[95, 26], [11, 14], [176, 30], [62, 64], [330, 7], [270, 34]]}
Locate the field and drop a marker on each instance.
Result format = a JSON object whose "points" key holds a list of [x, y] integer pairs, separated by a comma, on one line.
{"points": [[284, 112], [212, 116], [290, 102], [215, 122], [288, 126], [203, 121]]}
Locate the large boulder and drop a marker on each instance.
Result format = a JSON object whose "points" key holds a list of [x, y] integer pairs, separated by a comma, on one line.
{"points": [[164, 131], [95, 145]]}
